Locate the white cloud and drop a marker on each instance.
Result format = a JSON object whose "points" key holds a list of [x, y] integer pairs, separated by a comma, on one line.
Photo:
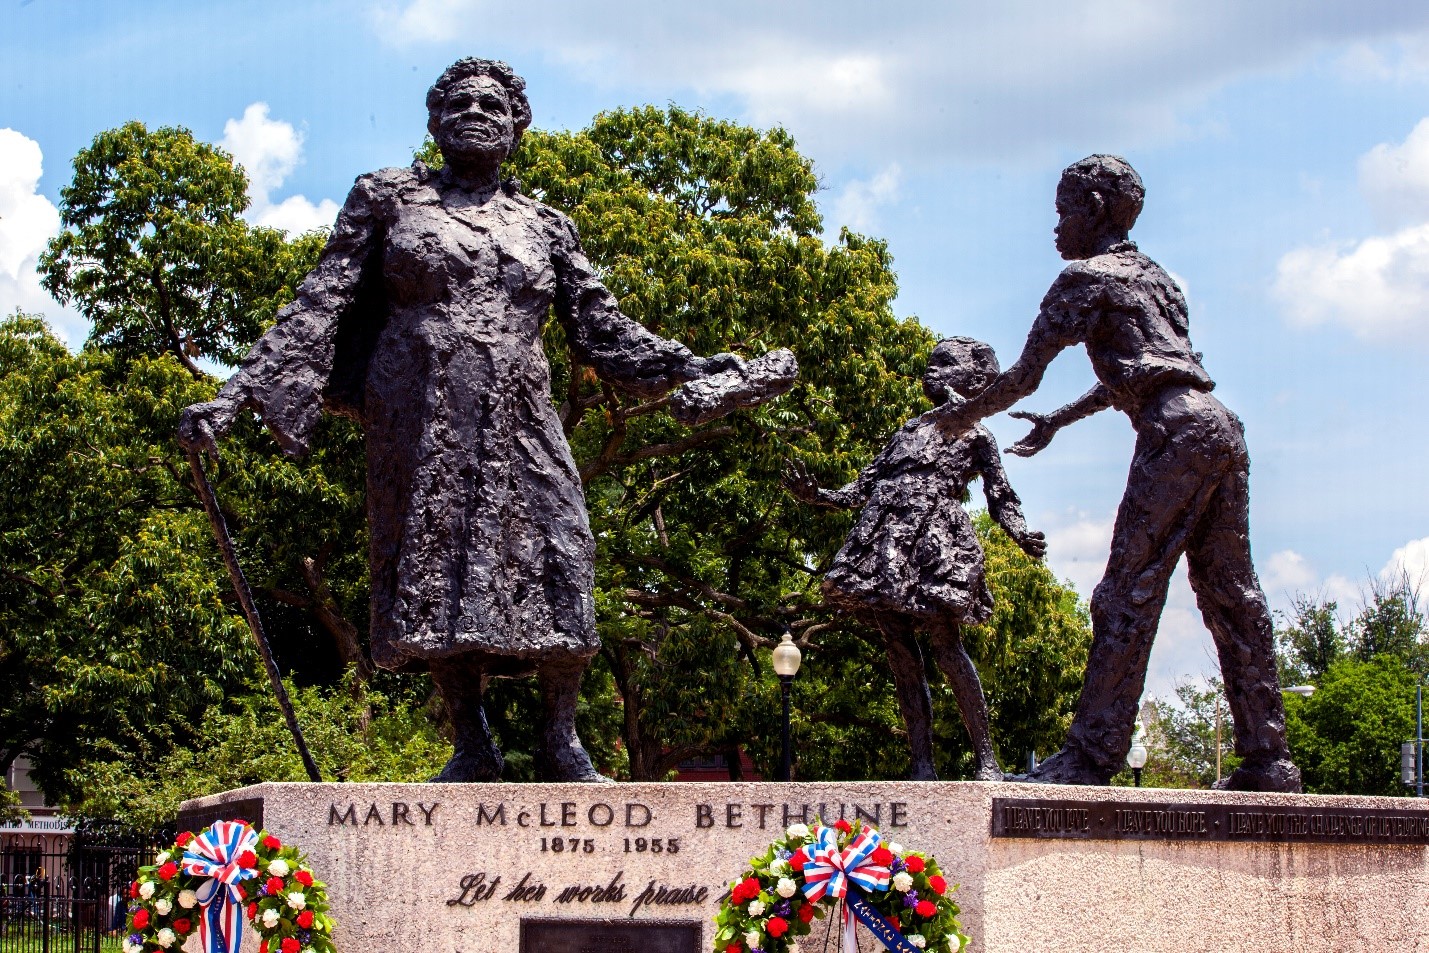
{"points": [[1286, 573], [1412, 561], [269, 150], [858, 203], [1395, 178], [28, 221], [1376, 288], [1077, 550], [974, 79]]}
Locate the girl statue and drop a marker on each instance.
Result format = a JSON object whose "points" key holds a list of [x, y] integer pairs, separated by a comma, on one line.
{"points": [[913, 563]]}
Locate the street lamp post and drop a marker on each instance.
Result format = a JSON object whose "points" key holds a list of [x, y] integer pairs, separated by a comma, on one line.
{"points": [[1136, 757], [1411, 753], [786, 666]]}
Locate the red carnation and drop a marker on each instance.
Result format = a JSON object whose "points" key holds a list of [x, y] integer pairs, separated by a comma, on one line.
{"points": [[305, 919], [304, 877], [184, 838], [141, 918], [897, 924], [926, 908], [134, 890], [274, 885], [272, 843], [253, 910], [914, 864], [290, 944], [938, 884], [777, 927], [167, 871], [248, 859], [844, 826], [262, 946], [183, 926], [806, 912], [733, 948], [882, 856]]}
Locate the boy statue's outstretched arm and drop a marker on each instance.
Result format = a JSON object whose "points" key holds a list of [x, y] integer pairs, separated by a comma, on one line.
{"points": [[1045, 427]]}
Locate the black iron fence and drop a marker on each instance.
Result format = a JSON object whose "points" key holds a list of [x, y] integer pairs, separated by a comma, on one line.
{"points": [[68, 895]]}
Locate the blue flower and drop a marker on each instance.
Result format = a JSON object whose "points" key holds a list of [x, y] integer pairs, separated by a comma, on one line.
{"points": [[784, 854], [783, 908], [896, 866], [136, 938], [910, 899], [304, 936]]}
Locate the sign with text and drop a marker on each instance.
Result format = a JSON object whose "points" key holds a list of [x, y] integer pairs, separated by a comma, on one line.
{"points": [[609, 936], [1141, 820]]}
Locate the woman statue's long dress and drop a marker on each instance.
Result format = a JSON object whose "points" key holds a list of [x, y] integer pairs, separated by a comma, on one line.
{"points": [[423, 320]]}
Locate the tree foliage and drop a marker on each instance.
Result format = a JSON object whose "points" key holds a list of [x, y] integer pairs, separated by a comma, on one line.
{"points": [[1346, 736], [154, 252], [113, 627]]}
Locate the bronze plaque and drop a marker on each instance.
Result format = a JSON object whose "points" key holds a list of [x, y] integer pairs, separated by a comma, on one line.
{"points": [[540, 935], [1144, 820], [248, 809]]}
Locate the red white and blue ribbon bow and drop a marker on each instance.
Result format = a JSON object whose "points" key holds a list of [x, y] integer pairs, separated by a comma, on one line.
{"points": [[215, 854], [829, 870]]}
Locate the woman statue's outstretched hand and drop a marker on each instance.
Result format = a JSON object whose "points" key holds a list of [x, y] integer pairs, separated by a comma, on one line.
{"points": [[1041, 434], [801, 484]]}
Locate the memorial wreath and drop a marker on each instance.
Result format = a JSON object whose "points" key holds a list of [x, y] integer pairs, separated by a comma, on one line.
{"points": [[215, 881], [901, 897]]}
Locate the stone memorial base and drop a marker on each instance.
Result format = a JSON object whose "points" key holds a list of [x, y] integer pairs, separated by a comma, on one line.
{"points": [[641, 868]]}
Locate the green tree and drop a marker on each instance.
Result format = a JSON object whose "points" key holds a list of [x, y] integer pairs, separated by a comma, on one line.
{"points": [[155, 254], [114, 636], [1182, 738], [1311, 642], [1390, 623], [1346, 736]]}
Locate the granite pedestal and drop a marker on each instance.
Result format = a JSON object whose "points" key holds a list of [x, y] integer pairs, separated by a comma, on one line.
{"points": [[434, 868]]}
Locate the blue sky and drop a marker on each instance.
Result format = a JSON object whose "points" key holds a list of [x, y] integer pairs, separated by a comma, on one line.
{"points": [[1287, 177]]}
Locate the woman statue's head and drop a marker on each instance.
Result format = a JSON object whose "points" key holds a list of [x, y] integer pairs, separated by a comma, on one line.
{"points": [[961, 365], [477, 111]]}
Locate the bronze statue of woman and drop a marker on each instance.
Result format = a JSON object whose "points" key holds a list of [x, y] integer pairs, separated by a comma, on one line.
{"points": [[423, 321]]}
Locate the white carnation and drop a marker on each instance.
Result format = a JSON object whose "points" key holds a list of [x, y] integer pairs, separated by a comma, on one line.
{"points": [[162, 859], [163, 906], [296, 900], [756, 907], [146, 889], [798, 830], [132, 947], [270, 918], [165, 937], [278, 868], [896, 847], [786, 888], [917, 940], [751, 939], [903, 881], [188, 899]]}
